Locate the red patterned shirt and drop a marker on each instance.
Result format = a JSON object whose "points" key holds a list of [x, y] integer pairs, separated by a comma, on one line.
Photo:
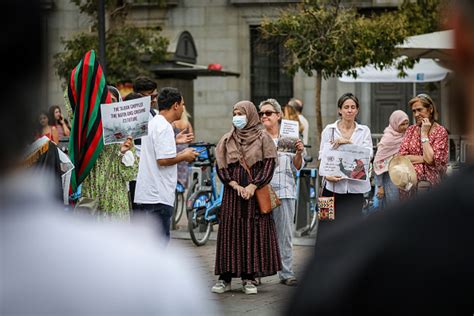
{"points": [[438, 138]]}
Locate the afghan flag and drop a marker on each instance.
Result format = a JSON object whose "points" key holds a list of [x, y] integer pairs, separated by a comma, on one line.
{"points": [[87, 90]]}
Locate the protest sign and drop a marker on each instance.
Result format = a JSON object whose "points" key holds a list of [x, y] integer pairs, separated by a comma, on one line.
{"points": [[288, 136], [348, 161], [123, 119]]}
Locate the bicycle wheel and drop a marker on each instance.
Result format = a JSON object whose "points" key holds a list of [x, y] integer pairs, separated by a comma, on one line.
{"points": [[179, 205], [199, 227], [313, 208], [314, 220]]}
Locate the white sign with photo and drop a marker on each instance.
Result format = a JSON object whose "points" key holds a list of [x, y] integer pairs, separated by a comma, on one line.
{"points": [[288, 136], [123, 119], [348, 161]]}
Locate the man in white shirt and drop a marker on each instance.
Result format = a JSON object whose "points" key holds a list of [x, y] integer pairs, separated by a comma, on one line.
{"points": [[298, 105], [157, 172], [54, 262]]}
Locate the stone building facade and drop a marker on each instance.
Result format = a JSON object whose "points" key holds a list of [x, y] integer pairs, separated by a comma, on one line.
{"points": [[222, 32]]}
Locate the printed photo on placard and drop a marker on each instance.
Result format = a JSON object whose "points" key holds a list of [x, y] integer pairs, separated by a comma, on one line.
{"points": [[347, 161], [288, 136]]}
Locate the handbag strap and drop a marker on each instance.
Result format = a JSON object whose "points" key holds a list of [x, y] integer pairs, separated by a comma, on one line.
{"points": [[246, 167], [323, 181], [323, 184]]}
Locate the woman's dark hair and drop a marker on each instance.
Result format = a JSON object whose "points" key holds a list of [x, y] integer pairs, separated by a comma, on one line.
{"points": [[167, 97], [142, 84], [114, 92], [38, 127], [51, 119], [347, 96], [45, 113], [132, 96]]}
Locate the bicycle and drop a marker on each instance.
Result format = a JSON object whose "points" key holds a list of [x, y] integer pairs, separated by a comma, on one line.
{"points": [[312, 203], [205, 203], [179, 203], [197, 179]]}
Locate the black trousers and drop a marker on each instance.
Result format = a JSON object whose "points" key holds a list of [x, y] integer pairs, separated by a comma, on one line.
{"points": [[348, 210]]}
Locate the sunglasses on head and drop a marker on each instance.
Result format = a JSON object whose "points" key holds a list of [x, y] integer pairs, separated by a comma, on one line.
{"points": [[425, 97], [266, 113]]}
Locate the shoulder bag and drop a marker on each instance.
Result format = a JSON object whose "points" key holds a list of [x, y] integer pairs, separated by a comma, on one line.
{"points": [[266, 197], [326, 205]]}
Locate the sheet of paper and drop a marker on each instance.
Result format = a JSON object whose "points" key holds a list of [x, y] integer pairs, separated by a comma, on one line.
{"points": [[288, 136], [348, 161], [123, 119]]}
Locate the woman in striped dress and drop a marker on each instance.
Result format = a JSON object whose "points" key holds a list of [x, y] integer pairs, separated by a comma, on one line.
{"points": [[247, 245]]}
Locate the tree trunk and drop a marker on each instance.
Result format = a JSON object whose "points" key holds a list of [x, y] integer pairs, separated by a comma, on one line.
{"points": [[319, 120]]}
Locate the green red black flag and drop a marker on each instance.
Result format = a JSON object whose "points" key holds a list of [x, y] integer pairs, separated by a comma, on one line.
{"points": [[87, 90]]}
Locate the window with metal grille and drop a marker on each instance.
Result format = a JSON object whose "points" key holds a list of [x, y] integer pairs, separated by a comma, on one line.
{"points": [[268, 78]]}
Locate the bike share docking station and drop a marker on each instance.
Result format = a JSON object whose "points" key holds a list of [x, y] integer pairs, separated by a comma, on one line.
{"points": [[306, 202]]}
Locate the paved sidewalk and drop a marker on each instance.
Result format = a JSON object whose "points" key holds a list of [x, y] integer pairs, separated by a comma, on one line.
{"points": [[271, 296]]}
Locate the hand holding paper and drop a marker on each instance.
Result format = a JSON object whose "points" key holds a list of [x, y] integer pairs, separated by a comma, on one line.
{"points": [[288, 136]]}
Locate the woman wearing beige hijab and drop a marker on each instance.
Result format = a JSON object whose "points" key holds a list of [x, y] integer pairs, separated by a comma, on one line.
{"points": [[247, 245]]}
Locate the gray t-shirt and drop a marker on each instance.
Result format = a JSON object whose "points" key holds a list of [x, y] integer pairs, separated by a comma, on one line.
{"points": [[54, 263]]}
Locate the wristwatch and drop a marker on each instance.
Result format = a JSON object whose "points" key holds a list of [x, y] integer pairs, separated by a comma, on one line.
{"points": [[424, 140]]}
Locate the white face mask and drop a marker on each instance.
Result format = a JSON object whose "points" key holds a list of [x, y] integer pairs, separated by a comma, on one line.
{"points": [[239, 121]]}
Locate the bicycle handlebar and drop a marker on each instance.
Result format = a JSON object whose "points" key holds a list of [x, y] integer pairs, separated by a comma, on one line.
{"points": [[201, 164], [202, 144]]}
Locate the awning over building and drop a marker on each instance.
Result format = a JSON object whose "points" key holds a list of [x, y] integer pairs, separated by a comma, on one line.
{"points": [[426, 70], [436, 45]]}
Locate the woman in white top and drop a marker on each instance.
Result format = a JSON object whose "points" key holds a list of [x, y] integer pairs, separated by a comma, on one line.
{"points": [[349, 194]]}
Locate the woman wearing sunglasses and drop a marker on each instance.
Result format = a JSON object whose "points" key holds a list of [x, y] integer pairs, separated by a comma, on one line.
{"points": [[348, 194], [425, 144], [283, 182]]}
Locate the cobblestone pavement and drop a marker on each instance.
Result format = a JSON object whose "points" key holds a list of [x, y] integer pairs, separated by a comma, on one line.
{"points": [[271, 297]]}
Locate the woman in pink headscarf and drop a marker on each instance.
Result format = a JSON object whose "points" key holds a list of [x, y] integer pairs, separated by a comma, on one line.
{"points": [[388, 147]]}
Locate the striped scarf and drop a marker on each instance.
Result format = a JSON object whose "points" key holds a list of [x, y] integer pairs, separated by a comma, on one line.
{"points": [[87, 90]]}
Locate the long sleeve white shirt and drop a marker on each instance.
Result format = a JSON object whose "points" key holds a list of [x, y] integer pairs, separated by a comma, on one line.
{"points": [[361, 137]]}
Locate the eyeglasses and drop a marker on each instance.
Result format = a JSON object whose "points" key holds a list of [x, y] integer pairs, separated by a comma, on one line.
{"points": [[266, 113]]}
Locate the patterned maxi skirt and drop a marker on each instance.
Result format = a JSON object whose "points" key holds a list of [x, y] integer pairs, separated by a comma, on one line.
{"points": [[246, 241]]}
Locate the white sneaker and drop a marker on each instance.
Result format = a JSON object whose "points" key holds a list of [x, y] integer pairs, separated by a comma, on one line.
{"points": [[220, 287], [248, 287]]}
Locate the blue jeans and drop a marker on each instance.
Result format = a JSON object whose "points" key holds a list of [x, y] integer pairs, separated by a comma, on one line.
{"points": [[391, 195], [159, 212]]}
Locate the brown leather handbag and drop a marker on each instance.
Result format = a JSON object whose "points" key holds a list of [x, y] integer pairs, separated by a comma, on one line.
{"points": [[267, 198]]}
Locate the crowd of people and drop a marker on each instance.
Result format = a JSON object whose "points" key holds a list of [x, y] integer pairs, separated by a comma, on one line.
{"points": [[138, 178], [400, 261]]}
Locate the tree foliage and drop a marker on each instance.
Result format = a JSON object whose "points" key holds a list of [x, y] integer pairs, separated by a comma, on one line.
{"points": [[326, 39], [422, 16], [129, 49]]}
